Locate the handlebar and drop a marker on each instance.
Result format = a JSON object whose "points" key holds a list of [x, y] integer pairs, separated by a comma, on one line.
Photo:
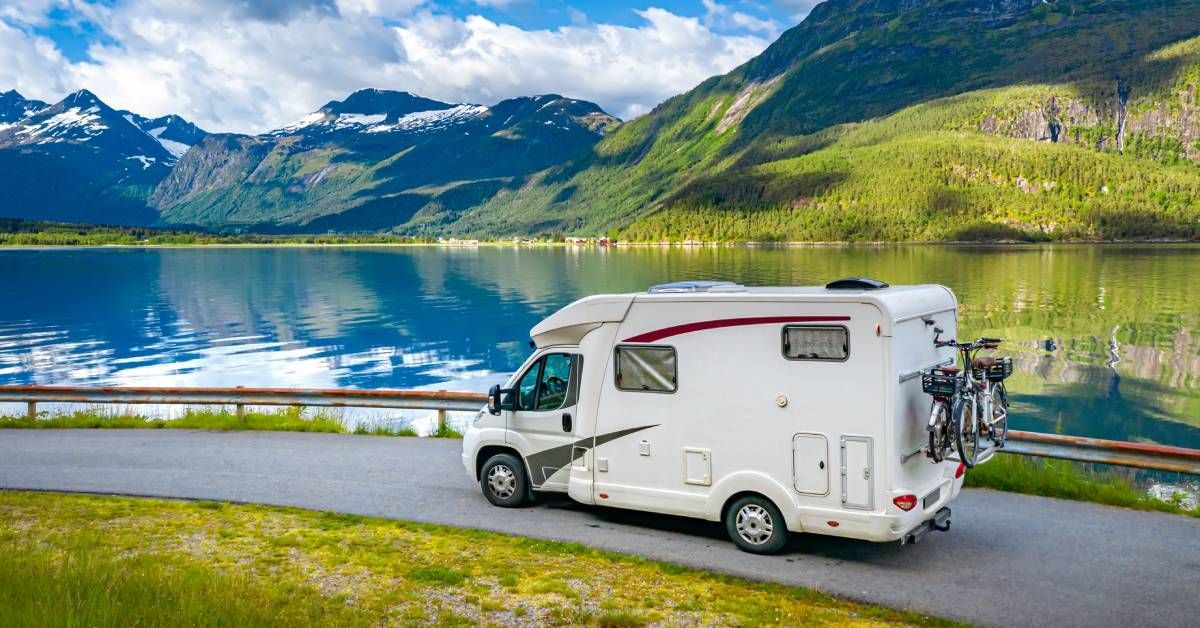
{"points": [[982, 343]]}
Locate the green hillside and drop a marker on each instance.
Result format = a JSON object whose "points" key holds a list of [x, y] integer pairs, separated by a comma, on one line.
{"points": [[944, 119]]}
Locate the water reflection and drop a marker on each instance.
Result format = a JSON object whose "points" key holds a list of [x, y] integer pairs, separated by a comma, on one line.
{"points": [[1105, 337]]}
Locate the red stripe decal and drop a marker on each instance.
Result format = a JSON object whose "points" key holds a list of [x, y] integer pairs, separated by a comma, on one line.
{"points": [[667, 332]]}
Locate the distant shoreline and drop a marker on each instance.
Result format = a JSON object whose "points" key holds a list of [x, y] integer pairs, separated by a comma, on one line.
{"points": [[620, 245]]}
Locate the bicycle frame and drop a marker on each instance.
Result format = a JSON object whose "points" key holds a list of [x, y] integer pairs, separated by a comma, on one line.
{"points": [[973, 391]]}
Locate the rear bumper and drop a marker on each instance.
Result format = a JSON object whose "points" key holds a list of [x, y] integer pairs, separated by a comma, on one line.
{"points": [[890, 525], [940, 522]]}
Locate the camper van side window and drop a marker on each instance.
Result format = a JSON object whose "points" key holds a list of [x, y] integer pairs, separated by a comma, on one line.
{"points": [[804, 342], [646, 369]]}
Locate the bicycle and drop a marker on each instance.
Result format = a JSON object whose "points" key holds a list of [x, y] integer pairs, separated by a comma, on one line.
{"points": [[967, 401]]}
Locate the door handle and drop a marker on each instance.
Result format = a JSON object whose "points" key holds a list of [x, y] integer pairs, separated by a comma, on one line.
{"points": [[566, 421]]}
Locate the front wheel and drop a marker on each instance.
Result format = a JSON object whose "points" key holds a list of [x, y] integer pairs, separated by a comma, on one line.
{"points": [[966, 431], [756, 525], [504, 481]]}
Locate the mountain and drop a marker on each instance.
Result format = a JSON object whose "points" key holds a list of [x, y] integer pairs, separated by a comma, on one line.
{"points": [[14, 106], [173, 132], [80, 160], [907, 120], [377, 160], [899, 120]]}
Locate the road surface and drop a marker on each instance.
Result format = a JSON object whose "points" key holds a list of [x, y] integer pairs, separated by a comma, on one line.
{"points": [[1008, 559]]}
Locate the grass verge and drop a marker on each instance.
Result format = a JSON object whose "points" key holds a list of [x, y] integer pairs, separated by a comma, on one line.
{"points": [[1067, 480], [291, 419], [89, 560]]}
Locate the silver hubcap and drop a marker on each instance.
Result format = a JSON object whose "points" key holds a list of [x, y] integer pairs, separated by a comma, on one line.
{"points": [[502, 481], [754, 524]]}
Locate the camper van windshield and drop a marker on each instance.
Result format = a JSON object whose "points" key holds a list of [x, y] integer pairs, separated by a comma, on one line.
{"points": [[646, 369]]}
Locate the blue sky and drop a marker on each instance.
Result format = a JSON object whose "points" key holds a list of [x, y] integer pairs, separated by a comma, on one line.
{"points": [[253, 65]]}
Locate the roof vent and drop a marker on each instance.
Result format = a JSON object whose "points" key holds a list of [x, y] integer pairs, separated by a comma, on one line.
{"points": [[856, 283], [695, 286]]}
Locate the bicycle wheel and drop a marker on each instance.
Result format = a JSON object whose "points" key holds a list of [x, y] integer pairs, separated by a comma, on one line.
{"points": [[966, 430], [1000, 408], [939, 430]]}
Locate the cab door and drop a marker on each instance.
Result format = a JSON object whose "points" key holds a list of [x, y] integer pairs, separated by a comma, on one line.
{"points": [[542, 421]]}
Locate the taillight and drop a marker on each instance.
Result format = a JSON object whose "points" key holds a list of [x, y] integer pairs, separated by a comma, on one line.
{"points": [[905, 502], [960, 471]]}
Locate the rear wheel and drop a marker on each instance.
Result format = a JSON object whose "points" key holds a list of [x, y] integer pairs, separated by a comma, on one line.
{"points": [[504, 481], [1000, 411], [966, 430], [939, 430], [756, 525]]}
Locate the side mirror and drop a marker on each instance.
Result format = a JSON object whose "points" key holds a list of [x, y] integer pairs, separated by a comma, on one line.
{"points": [[500, 399], [494, 400]]}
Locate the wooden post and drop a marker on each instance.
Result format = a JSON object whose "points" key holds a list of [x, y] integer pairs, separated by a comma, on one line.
{"points": [[241, 412], [441, 428], [31, 410]]}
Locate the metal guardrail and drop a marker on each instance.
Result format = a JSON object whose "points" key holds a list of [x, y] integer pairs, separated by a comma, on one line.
{"points": [[1114, 452], [1079, 449], [441, 401]]}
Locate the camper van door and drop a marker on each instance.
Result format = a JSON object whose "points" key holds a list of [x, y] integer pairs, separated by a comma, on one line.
{"points": [[542, 424]]}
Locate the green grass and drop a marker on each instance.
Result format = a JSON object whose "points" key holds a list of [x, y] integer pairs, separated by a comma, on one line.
{"points": [[292, 419], [1066, 480], [106, 561]]}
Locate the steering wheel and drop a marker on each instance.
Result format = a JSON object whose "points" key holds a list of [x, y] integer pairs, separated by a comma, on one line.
{"points": [[554, 385]]}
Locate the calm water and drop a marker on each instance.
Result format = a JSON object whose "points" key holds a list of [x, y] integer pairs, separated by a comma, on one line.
{"points": [[1107, 338]]}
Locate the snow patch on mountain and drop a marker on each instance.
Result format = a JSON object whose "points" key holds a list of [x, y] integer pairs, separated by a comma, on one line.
{"points": [[144, 160], [422, 121], [177, 149], [65, 123], [308, 120], [347, 120]]}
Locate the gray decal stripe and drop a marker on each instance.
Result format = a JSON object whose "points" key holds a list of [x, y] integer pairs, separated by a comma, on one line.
{"points": [[561, 456]]}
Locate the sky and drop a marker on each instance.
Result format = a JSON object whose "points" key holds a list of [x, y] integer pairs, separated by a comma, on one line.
{"points": [[253, 65]]}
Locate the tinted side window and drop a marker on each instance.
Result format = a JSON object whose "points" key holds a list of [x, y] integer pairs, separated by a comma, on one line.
{"points": [[803, 342], [556, 377], [547, 383], [646, 369]]}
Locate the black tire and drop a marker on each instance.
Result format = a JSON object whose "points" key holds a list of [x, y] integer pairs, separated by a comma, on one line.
{"points": [[504, 481], [939, 432], [1000, 430], [758, 511], [966, 430]]}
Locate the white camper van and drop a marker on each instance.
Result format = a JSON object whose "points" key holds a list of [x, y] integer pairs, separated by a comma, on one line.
{"points": [[771, 409]]}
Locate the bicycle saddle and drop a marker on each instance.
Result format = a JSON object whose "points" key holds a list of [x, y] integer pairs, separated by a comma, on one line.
{"points": [[983, 363]]}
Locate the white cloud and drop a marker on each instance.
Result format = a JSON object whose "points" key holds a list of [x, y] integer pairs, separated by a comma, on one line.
{"points": [[31, 65], [798, 9], [498, 4], [717, 15], [230, 68]]}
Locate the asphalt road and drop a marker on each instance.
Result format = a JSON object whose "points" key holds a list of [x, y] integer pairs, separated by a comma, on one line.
{"points": [[1007, 560]]}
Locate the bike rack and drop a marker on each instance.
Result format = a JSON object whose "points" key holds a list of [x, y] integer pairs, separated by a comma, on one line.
{"points": [[983, 456]]}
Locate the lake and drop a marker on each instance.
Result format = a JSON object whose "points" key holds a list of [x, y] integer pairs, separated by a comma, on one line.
{"points": [[1106, 338]]}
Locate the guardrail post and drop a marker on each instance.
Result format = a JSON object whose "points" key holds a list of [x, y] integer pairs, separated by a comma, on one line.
{"points": [[31, 410], [241, 412], [441, 428]]}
